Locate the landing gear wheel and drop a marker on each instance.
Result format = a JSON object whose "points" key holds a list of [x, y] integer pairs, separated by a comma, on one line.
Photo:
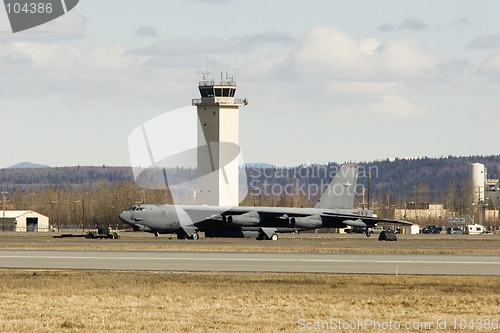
{"points": [[274, 237], [195, 236], [157, 234], [368, 233]]}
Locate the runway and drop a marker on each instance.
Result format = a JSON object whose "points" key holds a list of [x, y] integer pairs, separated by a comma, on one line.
{"points": [[405, 264]]}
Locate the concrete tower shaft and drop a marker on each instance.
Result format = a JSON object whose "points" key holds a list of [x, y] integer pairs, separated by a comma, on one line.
{"points": [[218, 143]]}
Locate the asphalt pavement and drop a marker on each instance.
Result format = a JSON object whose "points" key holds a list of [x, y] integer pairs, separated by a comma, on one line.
{"points": [[405, 264]]}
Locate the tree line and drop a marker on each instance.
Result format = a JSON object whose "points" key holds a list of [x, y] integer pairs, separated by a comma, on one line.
{"points": [[85, 197]]}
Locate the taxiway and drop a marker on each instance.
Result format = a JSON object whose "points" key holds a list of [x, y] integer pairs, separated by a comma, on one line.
{"points": [[408, 264]]}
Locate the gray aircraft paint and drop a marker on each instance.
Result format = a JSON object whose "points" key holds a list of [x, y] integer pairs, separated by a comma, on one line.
{"points": [[262, 222]]}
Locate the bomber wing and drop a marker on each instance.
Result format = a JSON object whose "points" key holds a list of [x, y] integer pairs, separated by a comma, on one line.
{"points": [[281, 217], [334, 220]]}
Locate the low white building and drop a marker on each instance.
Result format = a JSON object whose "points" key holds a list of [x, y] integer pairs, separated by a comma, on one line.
{"points": [[23, 220]]}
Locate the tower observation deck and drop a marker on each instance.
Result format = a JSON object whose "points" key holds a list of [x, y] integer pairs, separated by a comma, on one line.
{"points": [[218, 142], [218, 93]]}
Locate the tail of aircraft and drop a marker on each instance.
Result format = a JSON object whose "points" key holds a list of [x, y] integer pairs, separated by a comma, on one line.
{"points": [[341, 191]]}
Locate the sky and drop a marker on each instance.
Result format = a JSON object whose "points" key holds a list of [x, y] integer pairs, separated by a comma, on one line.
{"points": [[326, 80]]}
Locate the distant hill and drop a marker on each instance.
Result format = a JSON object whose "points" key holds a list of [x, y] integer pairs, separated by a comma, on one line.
{"points": [[74, 177], [425, 179], [392, 181], [28, 165]]}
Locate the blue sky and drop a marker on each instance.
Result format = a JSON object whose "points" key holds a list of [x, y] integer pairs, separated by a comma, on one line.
{"points": [[326, 80]]}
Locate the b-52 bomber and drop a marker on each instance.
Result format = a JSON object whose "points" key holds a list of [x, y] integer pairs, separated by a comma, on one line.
{"points": [[334, 210]]}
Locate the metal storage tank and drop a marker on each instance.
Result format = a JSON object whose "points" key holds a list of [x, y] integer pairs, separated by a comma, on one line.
{"points": [[478, 181]]}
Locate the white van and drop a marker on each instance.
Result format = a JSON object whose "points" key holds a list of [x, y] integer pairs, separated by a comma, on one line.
{"points": [[376, 230], [474, 229]]}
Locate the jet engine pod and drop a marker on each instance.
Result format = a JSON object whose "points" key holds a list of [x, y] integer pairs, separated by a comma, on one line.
{"points": [[355, 223], [247, 219], [312, 222]]}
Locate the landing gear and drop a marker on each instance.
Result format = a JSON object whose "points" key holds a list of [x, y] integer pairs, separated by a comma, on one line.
{"points": [[263, 236], [157, 234], [182, 235], [368, 233]]}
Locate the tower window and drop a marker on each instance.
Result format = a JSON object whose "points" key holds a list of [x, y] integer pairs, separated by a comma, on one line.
{"points": [[207, 92]]}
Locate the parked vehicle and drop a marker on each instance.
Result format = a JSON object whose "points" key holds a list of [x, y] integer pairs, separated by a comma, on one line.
{"points": [[431, 229], [355, 230], [454, 231], [376, 230], [387, 235], [474, 229]]}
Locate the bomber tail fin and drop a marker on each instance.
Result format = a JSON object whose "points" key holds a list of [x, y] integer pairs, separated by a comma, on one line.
{"points": [[341, 191]]}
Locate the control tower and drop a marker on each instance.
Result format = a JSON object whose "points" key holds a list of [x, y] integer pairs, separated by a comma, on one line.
{"points": [[218, 142]]}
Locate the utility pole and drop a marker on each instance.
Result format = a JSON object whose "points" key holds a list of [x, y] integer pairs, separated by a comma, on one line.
{"points": [[4, 194], [479, 206], [369, 180], [58, 210], [83, 213], [460, 202]]}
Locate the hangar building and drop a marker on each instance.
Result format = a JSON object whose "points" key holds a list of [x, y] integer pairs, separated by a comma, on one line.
{"points": [[23, 220]]}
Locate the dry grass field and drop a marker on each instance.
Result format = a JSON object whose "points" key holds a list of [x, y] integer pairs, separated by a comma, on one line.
{"points": [[114, 301], [303, 243]]}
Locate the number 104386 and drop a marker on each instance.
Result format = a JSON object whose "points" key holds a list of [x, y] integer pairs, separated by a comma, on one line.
{"points": [[29, 8]]}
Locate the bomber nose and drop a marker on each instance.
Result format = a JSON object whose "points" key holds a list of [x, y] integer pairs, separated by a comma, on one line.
{"points": [[125, 217]]}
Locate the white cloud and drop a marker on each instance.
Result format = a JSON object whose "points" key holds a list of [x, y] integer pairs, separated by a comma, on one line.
{"points": [[461, 23], [392, 107], [326, 52], [365, 87], [454, 67], [260, 68], [211, 1], [486, 42], [491, 65], [211, 45], [410, 23], [40, 69], [365, 76], [145, 31], [67, 27]]}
